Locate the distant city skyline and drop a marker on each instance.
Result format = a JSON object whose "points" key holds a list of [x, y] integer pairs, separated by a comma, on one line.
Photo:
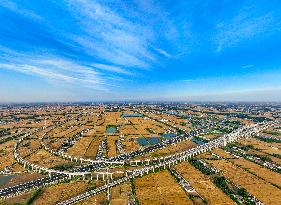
{"points": [[84, 50]]}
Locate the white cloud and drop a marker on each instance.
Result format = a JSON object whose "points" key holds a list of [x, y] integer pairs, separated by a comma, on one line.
{"points": [[111, 68], [247, 66], [19, 10], [33, 70], [187, 80], [244, 26], [110, 37], [61, 71], [162, 52]]}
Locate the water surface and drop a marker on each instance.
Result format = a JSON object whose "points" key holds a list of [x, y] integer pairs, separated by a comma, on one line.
{"points": [[169, 135], [197, 141], [111, 130], [132, 115], [5, 179]]}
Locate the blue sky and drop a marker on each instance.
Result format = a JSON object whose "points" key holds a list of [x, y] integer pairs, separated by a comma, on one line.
{"points": [[86, 50]]}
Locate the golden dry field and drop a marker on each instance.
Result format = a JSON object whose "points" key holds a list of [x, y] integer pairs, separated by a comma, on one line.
{"points": [[52, 195], [92, 148], [270, 148], [45, 159], [119, 195], [264, 173], [160, 188], [111, 143], [6, 154], [203, 184], [253, 184], [80, 148], [99, 199]]}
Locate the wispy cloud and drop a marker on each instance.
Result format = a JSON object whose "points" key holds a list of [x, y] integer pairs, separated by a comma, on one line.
{"points": [[54, 68], [186, 80], [247, 66], [111, 68], [83, 78], [33, 70], [20, 10], [162, 52], [111, 37], [246, 25]]}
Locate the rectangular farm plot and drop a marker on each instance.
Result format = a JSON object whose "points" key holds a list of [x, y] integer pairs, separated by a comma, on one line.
{"points": [[160, 188], [45, 159], [91, 150], [205, 155], [143, 126], [91, 132], [60, 192], [28, 146], [150, 127], [261, 189], [119, 195], [203, 184], [112, 117], [78, 149], [130, 144], [222, 153], [94, 200], [111, 140], [128, 130], [66, 132], [100, 129], [273, 132], [275, 159], [17, 168], [266, 174], [270, 148], [7, 154], [56, 143], [141, 129]]}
